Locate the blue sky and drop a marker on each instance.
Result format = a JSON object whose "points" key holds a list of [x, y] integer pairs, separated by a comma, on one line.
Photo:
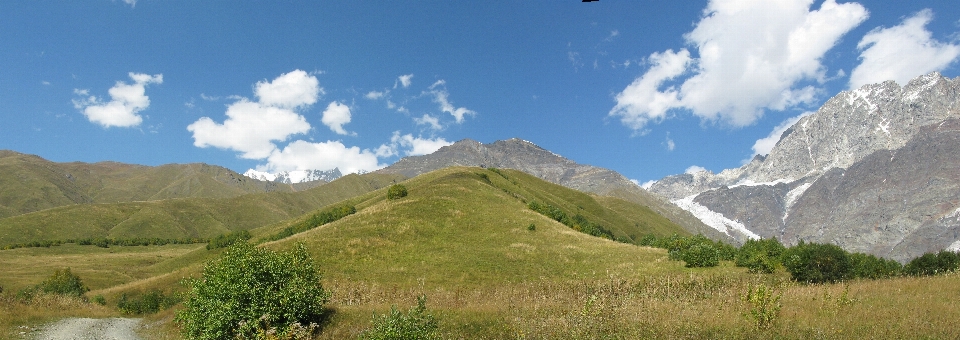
{"points": [[648, 88]]}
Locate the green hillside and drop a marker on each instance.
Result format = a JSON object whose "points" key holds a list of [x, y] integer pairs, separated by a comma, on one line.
{"points": [[29, 183], [182, 217], [469, 226]]}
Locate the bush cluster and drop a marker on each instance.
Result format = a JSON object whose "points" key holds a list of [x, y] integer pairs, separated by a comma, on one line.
{"points": [[760, 256], [107, 242], [932, 264], [148, 303], [576, 222], [316, 220], [415, 324], [250, 286], [696, 251], [62, 282], [225, 240], [396, 191]]}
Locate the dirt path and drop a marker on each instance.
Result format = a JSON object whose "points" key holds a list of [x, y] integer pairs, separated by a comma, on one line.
{"points": [[91, 329]]}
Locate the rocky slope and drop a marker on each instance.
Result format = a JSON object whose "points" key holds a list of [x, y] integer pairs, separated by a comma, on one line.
{"points": [[525, 156], [814, 183]]}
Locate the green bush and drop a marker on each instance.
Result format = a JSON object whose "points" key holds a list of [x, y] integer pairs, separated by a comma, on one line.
{"points": [[701, 255], [225, 240], [62, 282], [532, 227], [148, 303], [396, 191], [932, 264], [100, 300], [415, 324], [866, 266], [319, 219], [817, 263], [250, 286], [760, 256]]}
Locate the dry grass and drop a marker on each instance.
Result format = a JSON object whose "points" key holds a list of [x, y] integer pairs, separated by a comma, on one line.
{"points": [[19, 318]]}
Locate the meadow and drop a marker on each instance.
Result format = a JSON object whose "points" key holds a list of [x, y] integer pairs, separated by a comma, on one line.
{"points": [[463, 239]]}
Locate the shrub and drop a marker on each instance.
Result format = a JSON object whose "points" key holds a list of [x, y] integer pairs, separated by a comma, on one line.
{"points": [[532, 227], [415, 324], [100, 300], [225, 240], [932, 264], [321, 218], [396, 191], [817, 263], [871, 267], [249, 286], [62, 282], [148, 303], [701, 255], [764, 305], [760, 256]]}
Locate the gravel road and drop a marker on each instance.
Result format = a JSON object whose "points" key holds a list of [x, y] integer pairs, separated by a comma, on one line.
{"points": [[91, 329]]}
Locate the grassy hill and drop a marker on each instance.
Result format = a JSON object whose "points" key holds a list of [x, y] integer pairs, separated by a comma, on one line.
{"points": [[29, 183], [182, 217], [461, 237]]}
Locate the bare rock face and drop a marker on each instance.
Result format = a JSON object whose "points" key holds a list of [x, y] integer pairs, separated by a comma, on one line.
{"points": [[869, 171]]}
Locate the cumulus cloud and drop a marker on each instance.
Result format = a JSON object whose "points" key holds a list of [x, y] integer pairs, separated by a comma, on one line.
{"points": [[763, 145], [646, 185], [670, 144], [374, 95], [410, 145], [289, 90], [335, 117], [752, 56], [126, 102], [251, 128], [693, 169], [902, 52], [430, 121], [132, 3], [441, 97], [405, 80], [302, 155]]}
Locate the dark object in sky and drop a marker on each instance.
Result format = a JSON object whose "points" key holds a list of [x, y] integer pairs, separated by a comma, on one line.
{"points": [[589, 0]]}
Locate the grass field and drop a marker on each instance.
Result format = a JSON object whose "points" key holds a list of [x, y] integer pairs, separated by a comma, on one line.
{"points": [[462, 239]]}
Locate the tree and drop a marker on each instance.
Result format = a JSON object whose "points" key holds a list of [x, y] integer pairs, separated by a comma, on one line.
{"points": [[250, 286], [817, 263]]}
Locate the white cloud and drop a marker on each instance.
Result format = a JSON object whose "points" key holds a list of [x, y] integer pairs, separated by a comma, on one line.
{"points": [[901, 53], [405, 80], [693, 169], [763, 145], [412, 146], [250, 128], [132, 3], [440, 96], [289, 90], [646, 185], [336, 116], [302, 155], [670, 144], [431, 121], [374, 95], [752, 55], [126, 101]]}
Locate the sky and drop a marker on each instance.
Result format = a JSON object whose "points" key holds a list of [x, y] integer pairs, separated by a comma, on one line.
{"points": [[646, 88]]}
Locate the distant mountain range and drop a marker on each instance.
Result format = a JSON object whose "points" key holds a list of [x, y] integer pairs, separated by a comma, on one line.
{"points": [[295, 176], [874, 170]]}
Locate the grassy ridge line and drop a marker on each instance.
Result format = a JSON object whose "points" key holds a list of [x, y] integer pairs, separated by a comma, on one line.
{"points": [[180, 218]]}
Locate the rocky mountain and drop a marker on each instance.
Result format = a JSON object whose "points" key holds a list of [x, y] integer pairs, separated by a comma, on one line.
{"points": [[872, 171], [29, 183], [525, 156], [300, 179]]}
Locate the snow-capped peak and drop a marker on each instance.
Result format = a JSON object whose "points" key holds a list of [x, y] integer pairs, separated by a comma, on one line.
{"points": [[295, 176]]}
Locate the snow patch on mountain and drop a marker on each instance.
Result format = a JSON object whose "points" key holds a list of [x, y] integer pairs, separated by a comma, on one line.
{"points": [[714, 219], [295, 176]]}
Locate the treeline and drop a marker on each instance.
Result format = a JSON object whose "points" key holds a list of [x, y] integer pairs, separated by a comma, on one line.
{"points": [[225, 240], [314, 221], [806, 262], [576, 222], [103, 242]]}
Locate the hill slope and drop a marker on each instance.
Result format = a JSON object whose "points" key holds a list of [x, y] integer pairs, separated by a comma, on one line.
{"points": [[470, 226], [182, 217], [29, 183]]}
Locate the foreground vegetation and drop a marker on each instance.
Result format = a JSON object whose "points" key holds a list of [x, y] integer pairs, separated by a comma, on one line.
{"points": [[464, 255]]}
